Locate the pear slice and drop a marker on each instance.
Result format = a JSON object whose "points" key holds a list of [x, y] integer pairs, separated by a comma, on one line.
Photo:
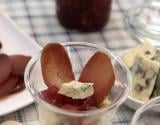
{"points": [[19, 64], [19, 85], [8, 86], [5, 67], [0, 45], [56, 66], [99, 70]]}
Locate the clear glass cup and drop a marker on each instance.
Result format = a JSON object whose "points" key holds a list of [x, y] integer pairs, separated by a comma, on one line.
{"points": [[143, 22], [148, 114], [79, 53]]}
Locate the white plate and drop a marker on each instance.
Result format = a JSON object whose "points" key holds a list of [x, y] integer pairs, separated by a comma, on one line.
{"points": [[133, 103], [15, 42]]}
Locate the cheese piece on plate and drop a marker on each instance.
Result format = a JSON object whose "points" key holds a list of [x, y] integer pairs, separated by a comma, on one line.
{"points": [[145, 49], [156, 90], [77, 90], [144, 73]]}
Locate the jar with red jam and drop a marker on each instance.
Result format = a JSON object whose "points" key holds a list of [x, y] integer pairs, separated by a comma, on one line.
{"points": [[84, 15]]}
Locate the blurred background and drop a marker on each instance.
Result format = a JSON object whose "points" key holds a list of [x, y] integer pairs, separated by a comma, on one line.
{"points": [[38, 19]]}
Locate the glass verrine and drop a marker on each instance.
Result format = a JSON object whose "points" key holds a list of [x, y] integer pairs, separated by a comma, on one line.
{"points": [[79, 53], [148, 114]]}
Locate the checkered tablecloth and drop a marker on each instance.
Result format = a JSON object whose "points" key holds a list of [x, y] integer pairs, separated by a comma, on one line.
{"points": [[38, 19]]}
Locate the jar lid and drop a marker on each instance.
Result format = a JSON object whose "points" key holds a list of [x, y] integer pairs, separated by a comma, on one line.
{"points": [[143, 22]]}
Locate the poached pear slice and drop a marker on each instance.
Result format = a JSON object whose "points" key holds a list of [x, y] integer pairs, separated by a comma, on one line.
{"points": [[8, 86], [5, 67], [0, 45], [56, 66], [19, 64], [99, 70]]}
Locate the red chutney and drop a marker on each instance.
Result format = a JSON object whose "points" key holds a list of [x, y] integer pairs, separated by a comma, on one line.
{"points": [[51, 96], [84, 15]]}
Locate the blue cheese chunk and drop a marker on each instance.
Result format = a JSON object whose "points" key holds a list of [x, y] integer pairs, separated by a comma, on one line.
{"points": [[144, 73], [145, 49], [156, 90], [77, 90]]}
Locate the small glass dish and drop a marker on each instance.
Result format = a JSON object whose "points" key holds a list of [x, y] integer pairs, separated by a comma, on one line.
{"points": [[79, 53], [143, 22], [148, 114]]}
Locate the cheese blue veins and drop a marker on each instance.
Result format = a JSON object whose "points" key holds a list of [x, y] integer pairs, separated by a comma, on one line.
{"points": [[77, 90]]}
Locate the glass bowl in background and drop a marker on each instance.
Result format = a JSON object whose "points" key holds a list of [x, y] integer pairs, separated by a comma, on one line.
{"points": [[148, 114], [143, 22], [79, 53]]}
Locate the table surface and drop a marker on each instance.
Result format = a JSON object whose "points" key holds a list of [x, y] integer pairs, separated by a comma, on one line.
{"points": [[38, 19]]}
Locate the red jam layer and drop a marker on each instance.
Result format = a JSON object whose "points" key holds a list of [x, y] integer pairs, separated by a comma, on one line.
{"points": [[52, 96]]}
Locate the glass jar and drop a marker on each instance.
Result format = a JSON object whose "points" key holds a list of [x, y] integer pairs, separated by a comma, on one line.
{"points": [[85, 15]]}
